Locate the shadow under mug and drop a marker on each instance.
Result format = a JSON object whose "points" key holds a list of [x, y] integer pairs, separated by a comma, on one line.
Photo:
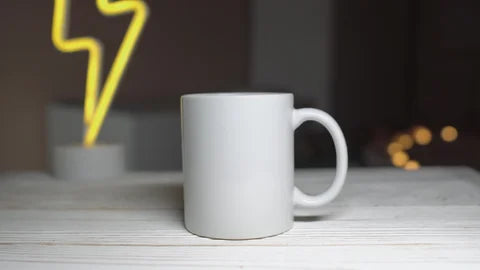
{"points": [[238, 163]]}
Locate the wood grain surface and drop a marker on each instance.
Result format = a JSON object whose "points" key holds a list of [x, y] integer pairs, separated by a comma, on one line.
{"points": [[384, 218]]}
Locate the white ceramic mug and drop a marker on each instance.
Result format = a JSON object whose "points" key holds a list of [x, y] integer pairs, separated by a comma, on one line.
{"points": [[238, 163]]}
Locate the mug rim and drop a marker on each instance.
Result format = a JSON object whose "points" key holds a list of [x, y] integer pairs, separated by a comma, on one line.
{"points": [[234, 94]]}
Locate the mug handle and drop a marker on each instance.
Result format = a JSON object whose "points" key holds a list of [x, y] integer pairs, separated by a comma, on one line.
{"points": [[301, 199]]}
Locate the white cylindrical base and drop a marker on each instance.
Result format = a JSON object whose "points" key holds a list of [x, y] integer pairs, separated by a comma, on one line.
{"points": [[75, 162]]}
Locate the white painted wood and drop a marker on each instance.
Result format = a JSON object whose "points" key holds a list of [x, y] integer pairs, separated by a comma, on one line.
{"points": [[385, 218]]}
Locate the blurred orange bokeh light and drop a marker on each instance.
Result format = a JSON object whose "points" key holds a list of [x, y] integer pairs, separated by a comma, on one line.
{"points": [[412, 165], [399, 159], [449, 133], [422, 135]]}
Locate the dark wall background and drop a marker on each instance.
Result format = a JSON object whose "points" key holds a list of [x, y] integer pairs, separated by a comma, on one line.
{"points": [[370, 67], [404, 63], [186, 46], [392, 65], [448, 82]]}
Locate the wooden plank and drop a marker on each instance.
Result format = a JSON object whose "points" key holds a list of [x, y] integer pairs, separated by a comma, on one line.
{"points": [[133, 191], [390, 226], [345, 257], [364, 187], [360, 226], [429, 218]]}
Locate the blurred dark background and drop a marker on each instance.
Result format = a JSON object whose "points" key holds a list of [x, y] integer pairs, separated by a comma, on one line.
{"points": [[379, 67]]}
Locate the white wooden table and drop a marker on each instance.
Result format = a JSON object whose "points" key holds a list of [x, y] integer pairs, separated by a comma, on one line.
{"points": [[385, 219]]}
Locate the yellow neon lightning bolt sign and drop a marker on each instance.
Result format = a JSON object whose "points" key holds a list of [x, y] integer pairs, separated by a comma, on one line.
{"points": [[93, 46], [95, 112]]}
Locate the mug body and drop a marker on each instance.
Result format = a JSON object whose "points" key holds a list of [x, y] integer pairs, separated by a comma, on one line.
{"points": [[238, 164]]}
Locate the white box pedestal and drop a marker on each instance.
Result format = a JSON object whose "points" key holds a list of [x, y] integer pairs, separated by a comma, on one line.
{"points": [[151, 139], [75, 162]]}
